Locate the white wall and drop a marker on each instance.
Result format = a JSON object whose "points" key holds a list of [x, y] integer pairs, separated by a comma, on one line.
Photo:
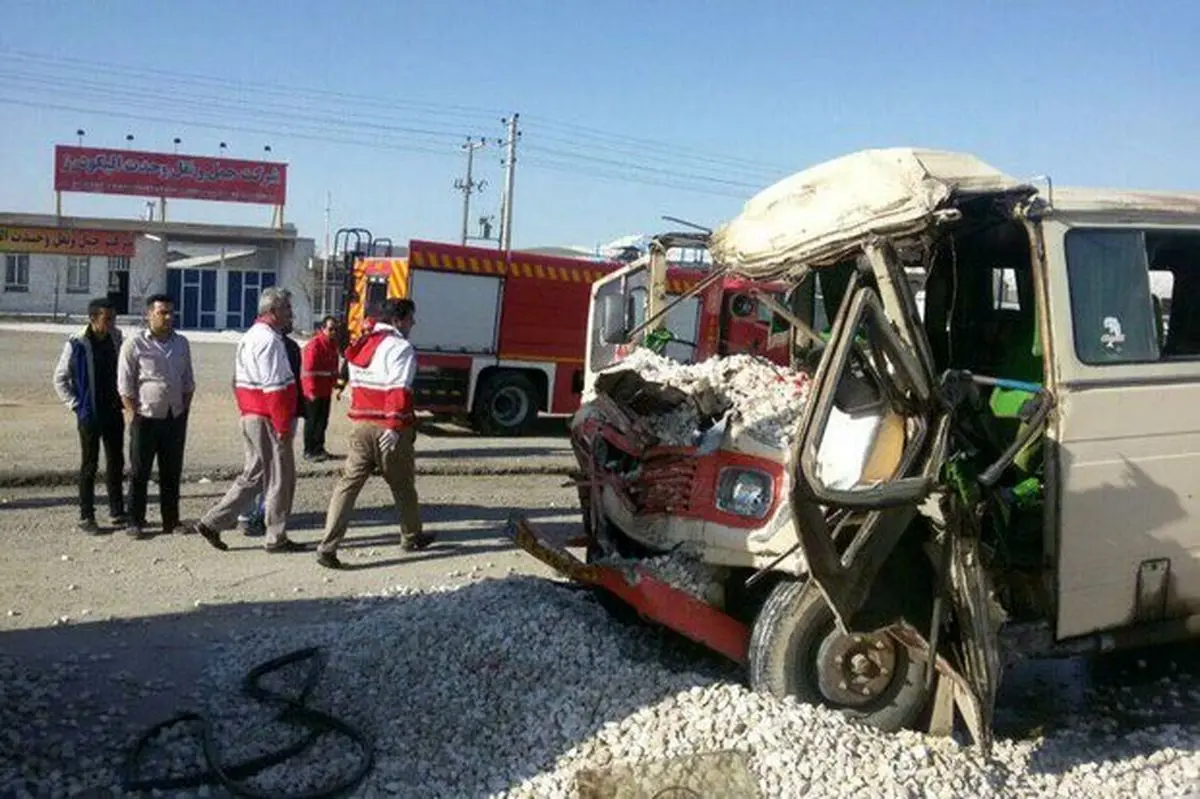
{"points": [[148, 275], [40, 298], [147, 272], [292, 274], [146, 269]]}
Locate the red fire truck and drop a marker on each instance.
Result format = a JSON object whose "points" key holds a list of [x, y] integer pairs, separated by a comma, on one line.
{"points": [[501, 336]]}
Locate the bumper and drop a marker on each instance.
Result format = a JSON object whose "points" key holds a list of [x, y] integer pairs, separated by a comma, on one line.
{"points": [[652, 598]]}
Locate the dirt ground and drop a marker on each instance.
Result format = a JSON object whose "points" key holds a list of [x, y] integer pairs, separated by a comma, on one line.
{"points": [[145, 614]]}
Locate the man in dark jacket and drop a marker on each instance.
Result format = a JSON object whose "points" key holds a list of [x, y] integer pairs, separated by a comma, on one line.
{"points": [[85, 379]]}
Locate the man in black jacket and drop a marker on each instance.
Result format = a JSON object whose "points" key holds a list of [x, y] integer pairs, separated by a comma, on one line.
{"points": [[85, 379]]}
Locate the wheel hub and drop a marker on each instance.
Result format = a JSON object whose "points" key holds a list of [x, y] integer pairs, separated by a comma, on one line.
{"points": [[509, 405], [856, 669]]}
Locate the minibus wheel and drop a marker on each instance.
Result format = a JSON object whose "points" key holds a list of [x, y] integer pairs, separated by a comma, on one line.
{"points": [[796, 649]]}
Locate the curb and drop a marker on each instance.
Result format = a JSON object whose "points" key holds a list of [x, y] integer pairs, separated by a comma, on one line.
{"points": [[50, 478]]}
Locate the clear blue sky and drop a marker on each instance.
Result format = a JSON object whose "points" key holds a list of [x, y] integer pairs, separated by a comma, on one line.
{"points": [[630, 109]]}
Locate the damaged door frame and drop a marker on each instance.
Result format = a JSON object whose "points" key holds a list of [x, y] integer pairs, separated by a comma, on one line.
{"points": [[846, 573]]}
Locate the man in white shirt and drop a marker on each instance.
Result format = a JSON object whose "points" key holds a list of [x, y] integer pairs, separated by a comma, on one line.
{"points": [[156, 383]]}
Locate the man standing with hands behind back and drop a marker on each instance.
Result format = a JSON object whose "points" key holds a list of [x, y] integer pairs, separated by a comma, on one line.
{"points": [[267, 398], [154, 376]]}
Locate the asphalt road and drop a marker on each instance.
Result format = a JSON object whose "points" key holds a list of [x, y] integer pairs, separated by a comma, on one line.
{"points": [[39, 441], [52, 573]]}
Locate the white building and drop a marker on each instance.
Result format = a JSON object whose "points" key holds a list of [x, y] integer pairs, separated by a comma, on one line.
{"points": [[214, 273]]}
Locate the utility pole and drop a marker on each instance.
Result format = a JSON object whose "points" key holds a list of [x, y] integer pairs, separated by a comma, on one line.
{"points": [[510, 168], [467, 186], [325, 261]]}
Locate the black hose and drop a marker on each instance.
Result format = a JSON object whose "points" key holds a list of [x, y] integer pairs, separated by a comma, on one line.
{"points": [[292, 710]]}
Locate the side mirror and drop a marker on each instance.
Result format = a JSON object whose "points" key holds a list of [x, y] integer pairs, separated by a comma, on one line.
{"points": [[612, 319]]}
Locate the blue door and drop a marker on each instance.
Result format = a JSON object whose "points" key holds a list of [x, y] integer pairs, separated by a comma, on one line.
{"points": [[194, 292], [175, 291], [241, 297]]}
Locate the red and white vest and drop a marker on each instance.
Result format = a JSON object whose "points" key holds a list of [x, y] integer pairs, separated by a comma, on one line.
{"points": [[382, 367], [262, 377]]}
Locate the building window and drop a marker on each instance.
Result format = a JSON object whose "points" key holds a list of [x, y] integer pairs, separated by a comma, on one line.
{"points": [[16, 272], [118, 263], [78, 274]]}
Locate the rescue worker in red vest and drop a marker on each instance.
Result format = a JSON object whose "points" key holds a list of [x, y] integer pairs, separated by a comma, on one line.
{"points": [[382, 365], [318, 372], [266, 390]]}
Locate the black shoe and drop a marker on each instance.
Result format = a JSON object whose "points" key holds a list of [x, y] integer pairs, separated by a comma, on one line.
{"points": [[211, 536], [286, 545], [135, 530], [415, 543], [329, 560], [88, 527], [118, 520]]}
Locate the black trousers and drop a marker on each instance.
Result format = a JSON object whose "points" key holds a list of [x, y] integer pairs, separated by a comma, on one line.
{"points": [[316, 422], [162, 440], [111, 431]]}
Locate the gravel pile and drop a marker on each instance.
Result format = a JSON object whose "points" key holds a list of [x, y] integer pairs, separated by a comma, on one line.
{"points": [[517, 687], [765, 400]]}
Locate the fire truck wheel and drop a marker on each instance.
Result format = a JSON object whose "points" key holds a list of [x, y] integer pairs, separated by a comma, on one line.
{"points": [[796, 649], [507, 405]]}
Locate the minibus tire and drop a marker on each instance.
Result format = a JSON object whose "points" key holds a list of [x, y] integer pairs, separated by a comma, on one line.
{"points": [[791, 635]]}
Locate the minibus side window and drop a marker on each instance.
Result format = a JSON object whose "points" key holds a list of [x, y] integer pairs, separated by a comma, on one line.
{"points": [[1111, 307]]}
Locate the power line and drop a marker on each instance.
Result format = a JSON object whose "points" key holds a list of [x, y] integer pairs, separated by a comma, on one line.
{"points": [[90, 90], [638, 151], [584, 132], [533, 163], [284, 133], [176, 76], [379, 106], [651, 169], [601, 174], [75, 88]]}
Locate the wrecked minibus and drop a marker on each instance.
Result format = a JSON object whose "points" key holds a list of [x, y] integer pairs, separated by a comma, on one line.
{"points": [[924, 494]]}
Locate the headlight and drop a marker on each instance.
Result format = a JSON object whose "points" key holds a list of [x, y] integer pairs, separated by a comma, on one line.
{"points": [[745, 492]]}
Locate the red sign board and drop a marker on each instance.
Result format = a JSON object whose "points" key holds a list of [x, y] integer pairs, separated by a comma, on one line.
{"points": [[187, 177], [66, 241]]}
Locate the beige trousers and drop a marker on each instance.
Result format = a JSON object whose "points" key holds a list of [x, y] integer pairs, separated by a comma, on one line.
{"points": [[270, 467], [362, 459]]}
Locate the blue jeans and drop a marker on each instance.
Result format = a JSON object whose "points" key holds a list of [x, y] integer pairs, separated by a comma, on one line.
{"points": [[256, 512]]}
